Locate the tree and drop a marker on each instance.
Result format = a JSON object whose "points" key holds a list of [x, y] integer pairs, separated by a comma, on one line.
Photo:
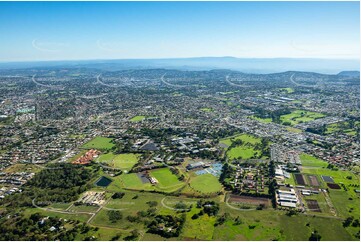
{"points": [[114, 216], [315, 236], [152, 203], [347, 222]]}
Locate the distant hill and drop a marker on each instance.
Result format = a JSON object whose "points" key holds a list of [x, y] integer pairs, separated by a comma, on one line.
{"points": [[247, 65], [349, 73]]}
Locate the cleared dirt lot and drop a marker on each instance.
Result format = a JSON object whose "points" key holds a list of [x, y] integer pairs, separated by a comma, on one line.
{"points": [[250, 200], [313, 205], [313, 180]]}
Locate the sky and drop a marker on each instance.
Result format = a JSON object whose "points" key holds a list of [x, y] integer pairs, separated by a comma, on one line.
{"points": [[36, 31]]}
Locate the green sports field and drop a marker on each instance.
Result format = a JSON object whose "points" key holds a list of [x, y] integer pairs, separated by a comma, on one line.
{"points": [[206, 183], [165, 177], [100, 143], [308, 160]]}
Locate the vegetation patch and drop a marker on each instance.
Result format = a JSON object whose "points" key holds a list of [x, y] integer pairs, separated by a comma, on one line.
{"points": [[137, 118], [165, 177], [308, 160], [206, 183], [299, 116], [101, 143]]}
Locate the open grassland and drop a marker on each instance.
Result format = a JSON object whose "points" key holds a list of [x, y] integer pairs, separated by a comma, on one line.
{"points": [[206, 183], [267, 224], [244, 151], [300, 227], [100, 143], [137, 118], [299, 116], [308, 160], [198, 229], [80, 217]]}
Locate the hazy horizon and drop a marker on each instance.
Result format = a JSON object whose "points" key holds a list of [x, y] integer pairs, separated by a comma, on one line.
{"points": [[60, 31]]}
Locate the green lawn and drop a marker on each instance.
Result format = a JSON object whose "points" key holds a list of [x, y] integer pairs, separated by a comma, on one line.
{"points": [[100, 143], [165, 177], [241, 152], [206, 183], [137, 118], [106, 158], [308, 160], [125, 161], [131, 180], [244, 137]]}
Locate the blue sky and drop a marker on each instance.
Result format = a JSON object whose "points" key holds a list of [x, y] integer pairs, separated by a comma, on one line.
{"points": [[32, 31]]}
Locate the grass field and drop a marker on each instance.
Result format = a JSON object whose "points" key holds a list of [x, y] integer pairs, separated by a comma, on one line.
{"points": [[122, 161], [206, 183], [243, 137], [241, 152], [132, 181], [100, 143], [137, 118], [198, 229], [299, 116], [165, 178], [244, 151], [308, 160]]}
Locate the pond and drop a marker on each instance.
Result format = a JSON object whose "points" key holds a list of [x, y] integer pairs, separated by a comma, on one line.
{"points": [[103, 182]]}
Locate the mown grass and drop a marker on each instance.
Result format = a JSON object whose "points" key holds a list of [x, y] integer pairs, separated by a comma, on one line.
{"points": [[165, 177], [308, 160], [206, 183], [101, 143], [122, 161]]}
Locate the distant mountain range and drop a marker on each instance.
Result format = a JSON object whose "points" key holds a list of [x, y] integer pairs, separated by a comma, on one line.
{"points": [[247, 65], [349, 73]]}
